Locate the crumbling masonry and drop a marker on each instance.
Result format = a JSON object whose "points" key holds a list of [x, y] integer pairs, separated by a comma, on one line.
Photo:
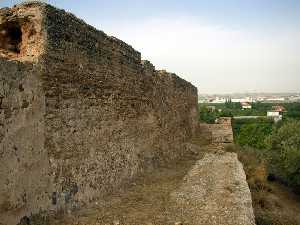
{"points": [[80, 113]]}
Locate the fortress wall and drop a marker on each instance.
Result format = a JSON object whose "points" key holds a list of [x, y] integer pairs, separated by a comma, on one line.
{"points": [[222, 131], [24, 164], [108, 114], [97, 115]]}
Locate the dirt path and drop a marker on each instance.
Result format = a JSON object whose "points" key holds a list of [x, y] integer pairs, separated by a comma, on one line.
{"points": [[145, 202], [211, 191]]}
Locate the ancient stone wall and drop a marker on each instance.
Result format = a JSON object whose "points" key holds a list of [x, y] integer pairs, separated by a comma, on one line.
{"points": [[215, 192], [24, 164], [81, 114], [220, 132]]}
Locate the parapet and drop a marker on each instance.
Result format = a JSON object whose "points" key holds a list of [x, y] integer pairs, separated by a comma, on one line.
{"points": [[34, 30]]}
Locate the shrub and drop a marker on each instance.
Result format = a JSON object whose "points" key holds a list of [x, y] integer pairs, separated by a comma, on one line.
{"points": [[254, 165], [284, 146], [254, 135], [206, 115]]}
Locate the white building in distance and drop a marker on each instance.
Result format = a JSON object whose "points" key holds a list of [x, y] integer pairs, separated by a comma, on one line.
{"points": [[246, 105]]}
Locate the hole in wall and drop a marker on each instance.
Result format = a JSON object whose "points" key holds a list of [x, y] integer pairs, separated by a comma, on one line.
{"points": [[10, 37]]}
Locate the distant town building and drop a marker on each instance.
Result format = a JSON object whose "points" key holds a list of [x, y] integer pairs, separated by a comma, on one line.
{"points": [[238, 98], [218, 100], [294, 98], [261, 99], [278, 108], [276, 112], [246, 105], [273, 114], [246, 99], [275, 99]]}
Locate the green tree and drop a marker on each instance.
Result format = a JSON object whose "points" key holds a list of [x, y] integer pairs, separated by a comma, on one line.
{"points": [[284, 143], [232, 105], [207, 115], [254, 135]]}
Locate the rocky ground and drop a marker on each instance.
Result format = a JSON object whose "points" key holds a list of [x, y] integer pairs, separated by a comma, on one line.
{"points": [[215, 192], [208, 186]]}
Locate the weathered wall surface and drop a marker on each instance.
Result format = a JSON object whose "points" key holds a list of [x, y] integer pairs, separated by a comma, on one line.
{"points": [[94, 114], [24, 164], [107, 113], [220, 132], [215, 192]]}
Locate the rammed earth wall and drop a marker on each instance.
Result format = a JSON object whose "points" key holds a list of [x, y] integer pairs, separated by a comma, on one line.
{"points": [[80, 113]]}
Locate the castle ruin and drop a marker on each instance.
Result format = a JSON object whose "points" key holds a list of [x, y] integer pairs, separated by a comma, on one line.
{"points": [[81, 116], [80, 112]]}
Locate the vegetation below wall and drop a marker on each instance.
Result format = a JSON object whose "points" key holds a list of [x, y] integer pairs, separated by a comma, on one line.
{"points": [[273, 203], [270, 154], [277, 144], [268, 158], [231, 109], [252, 132], [283, 147]]}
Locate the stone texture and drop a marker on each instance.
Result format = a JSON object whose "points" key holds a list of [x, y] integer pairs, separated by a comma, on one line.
{"points": [[24, 165], [80, 113], [221, 131], [21, 32], [215, 192]]}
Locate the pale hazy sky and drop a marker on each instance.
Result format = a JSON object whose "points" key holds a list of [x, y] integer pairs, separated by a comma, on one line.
{"points": [[218, 45]]}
